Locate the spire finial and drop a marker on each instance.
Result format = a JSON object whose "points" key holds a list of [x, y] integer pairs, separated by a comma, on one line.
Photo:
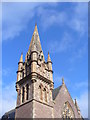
{"points": [[21, 58], [63, 83], [35, 30], [75, 101], [49, 59]]}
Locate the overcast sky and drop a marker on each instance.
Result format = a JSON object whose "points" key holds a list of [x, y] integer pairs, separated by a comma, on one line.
{"points": [[63, 30]]}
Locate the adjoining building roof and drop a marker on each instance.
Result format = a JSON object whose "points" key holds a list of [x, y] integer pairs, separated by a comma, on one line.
{"points": [[9, 114], [55, 92]]}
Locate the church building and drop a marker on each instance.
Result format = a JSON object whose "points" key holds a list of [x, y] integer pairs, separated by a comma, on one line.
{"points": [[36, 96]]}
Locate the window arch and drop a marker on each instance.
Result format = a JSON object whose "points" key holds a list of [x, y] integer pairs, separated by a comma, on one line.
{"points": [[41, 91], [27, 91], [67, 111], [45, 94], [23, 92]]}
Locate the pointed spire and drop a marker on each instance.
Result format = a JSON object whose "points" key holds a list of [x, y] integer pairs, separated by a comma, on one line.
{"points": [[21, 58], [49, 59], [63, 83], [35, 29], [35, 41], [33, 47]]}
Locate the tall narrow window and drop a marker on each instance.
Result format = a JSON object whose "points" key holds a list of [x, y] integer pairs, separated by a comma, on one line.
{"points": [[26, 69], [23, 74], [22, 94], [41, 91], [45, 93], [27, 91]]}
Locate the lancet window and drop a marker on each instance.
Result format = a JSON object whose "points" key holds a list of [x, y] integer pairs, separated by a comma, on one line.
{"points": [[23, 93], [45, 94], [41, 91], [27, 91], [67, 111]]}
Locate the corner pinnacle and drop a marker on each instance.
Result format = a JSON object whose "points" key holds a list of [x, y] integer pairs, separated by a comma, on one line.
{"points": [[21, 58], [63, 83], [49, 59]]}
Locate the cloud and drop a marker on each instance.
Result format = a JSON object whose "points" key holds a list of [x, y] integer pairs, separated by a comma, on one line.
{"points": [[83, 104], [83, 84], [8, 98], [0, 27], [7, 93], [45, 0], [16, 17], [6, 72], [66, 43], [79, 21], [50, 17], [0, 91], [80, 52]]}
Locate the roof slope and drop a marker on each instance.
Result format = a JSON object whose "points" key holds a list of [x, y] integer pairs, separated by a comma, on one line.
{"points": [[9, 114], [55, 92]]}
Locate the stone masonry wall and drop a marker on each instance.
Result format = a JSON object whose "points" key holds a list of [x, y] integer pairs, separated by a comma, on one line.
{"points": [[62, 97], [25, 111], [42, 111]]}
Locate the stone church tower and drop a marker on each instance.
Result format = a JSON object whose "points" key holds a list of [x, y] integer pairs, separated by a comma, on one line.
{"points": [[36, 96]]}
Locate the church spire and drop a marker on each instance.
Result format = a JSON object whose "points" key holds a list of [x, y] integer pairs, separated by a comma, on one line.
{"points": [[35, 29], [35, 41]]}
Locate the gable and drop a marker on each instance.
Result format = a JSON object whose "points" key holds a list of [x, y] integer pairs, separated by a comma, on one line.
{"points": [[60, 97]]}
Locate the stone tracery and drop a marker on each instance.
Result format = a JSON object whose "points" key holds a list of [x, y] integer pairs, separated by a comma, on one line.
{"points": [[67, 111]]}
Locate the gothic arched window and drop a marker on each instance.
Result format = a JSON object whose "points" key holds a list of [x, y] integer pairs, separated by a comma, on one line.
{"points": [[23, 74], [45, 94], [22, 94], [27, 91], [67, 111], [41, 91]]}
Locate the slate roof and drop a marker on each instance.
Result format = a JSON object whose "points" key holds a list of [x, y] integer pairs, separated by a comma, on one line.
{"points": [[9, 114], [55, 92]]}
